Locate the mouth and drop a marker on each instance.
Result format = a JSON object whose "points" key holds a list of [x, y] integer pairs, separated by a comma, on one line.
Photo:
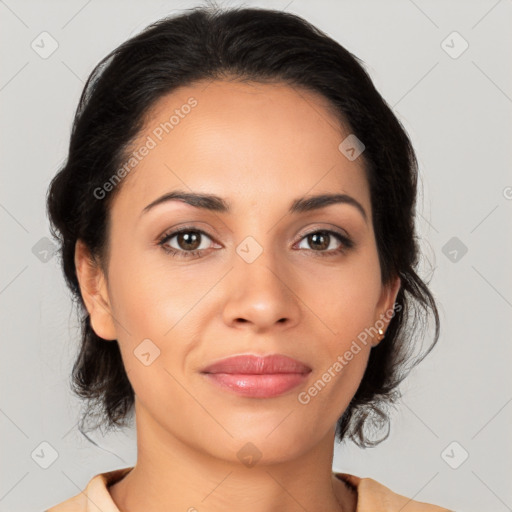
{"points": [[257, 376]]}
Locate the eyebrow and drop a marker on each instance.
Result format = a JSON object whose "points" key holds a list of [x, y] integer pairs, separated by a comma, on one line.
{"points": [[218, 204]]}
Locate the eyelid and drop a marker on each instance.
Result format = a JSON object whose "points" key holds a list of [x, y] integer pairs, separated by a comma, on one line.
{"points": [[171, 233], [331, 228]]}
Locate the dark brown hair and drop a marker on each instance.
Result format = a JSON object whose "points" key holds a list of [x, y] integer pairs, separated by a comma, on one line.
{"points": [[261, 45]]}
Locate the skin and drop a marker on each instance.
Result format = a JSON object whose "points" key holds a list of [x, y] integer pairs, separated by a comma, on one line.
{"points": [[259, 146]]}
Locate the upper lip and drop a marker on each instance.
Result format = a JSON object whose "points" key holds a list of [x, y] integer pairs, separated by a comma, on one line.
{"points": [[257, 365]]}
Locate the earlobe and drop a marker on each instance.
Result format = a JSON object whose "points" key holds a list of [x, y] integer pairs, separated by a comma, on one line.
{"points": [[386, 308], [94, 292]]}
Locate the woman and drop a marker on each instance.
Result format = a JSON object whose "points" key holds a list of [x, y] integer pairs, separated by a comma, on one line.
{"points": [[236, 219]]}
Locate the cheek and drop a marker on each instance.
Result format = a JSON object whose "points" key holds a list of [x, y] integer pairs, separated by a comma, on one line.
{"points": [[344, 298], [150, 298], [337, 379], [149, 310], [346, 307], [156, 308]]}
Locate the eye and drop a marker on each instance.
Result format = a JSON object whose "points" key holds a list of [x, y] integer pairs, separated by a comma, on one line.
{"points": [[184, 242], [327, 242], [189, 242]]}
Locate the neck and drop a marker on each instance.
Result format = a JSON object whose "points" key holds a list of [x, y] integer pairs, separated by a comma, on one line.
{"points": [[172, 475]]}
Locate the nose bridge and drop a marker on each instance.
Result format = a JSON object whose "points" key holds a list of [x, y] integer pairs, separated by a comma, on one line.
{"points": [[260, 267], [259, 291]]}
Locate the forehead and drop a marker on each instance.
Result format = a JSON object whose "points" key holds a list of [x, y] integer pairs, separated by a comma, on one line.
{"points": [[250, 142]]}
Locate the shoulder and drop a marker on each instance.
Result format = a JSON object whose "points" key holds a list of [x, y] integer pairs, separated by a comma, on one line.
{"points": [[372, 496], [75, 504], [95, 497]]}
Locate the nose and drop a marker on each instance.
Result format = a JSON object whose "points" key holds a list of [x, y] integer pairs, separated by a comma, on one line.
{"points": [[260, 295]]}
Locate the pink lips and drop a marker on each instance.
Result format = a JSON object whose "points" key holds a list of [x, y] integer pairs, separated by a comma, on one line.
{"points": [[256, 376]]}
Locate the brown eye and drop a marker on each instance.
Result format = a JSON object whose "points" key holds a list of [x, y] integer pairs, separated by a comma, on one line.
{"points": [[185, 242], [324, 242], [189, 240], [319, 240]]}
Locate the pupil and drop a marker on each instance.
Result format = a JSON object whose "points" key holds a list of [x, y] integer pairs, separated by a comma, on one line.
{"points": [[188, 239], [315, 238]]}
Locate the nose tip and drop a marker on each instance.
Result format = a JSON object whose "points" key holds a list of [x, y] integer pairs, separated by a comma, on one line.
{"points": [[261, 299]]}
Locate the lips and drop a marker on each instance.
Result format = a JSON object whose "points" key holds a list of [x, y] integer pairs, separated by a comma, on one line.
{"points": [[256, 376], [257, 365]]}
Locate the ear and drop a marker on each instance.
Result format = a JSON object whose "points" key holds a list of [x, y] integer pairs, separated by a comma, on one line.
{"points": [[385, 306], [93, 288]]}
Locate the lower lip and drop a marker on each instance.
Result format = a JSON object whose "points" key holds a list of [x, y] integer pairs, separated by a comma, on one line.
{"points": [[258, 386]]}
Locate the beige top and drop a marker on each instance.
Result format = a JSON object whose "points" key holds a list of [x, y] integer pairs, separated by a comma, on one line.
{"points": [[371, 496]]}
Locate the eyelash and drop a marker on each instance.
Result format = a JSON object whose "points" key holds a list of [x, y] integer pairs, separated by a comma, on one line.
{"points": [[345, 243]]}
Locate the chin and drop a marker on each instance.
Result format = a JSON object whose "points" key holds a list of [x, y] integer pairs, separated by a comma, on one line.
{"points": [[265, 442]]}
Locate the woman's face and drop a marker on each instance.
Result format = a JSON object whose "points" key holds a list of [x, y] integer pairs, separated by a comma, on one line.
{"points": [[262, 280]]}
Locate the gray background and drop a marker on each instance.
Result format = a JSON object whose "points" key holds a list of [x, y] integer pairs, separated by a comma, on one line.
{"points": [[457, 113]]}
